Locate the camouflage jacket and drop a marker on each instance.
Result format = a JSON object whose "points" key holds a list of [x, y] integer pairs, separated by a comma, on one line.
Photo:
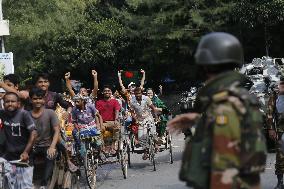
{"points": [[224, 103], [273, 119]]}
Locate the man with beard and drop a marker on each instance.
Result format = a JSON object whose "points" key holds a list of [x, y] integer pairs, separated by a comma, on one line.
{"points": [[20, 134]]}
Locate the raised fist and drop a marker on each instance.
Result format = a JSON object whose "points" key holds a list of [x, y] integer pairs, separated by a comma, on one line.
{"points": [[94, 73], [119, 73], [67, 75]]}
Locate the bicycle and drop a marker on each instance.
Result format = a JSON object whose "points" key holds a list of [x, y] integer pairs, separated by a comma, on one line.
{"points": [[93, 159], [150, 142], [91, 162], [5, 167]]}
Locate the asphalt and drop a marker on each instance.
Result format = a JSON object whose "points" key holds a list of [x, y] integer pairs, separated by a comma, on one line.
{"points": [[142, 176]]}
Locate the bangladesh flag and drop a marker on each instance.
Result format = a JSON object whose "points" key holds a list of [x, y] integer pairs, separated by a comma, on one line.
{"points": [[131, 76]]}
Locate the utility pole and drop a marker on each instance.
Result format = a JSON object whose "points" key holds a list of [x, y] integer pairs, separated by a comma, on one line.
{"points": [[2, 37], [6, 59]]}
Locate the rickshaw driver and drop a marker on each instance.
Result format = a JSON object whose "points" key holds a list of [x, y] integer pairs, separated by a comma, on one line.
{"points": [[141, 107]]}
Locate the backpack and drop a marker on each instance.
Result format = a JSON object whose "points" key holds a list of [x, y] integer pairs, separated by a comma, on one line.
{"points": [[196, 161]]}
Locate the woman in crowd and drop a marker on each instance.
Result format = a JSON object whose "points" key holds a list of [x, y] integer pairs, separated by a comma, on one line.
{"points": [[162, 111]]}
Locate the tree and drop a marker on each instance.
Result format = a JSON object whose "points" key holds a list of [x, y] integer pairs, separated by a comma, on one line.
{"points": [[156, 35], [260, 14]]}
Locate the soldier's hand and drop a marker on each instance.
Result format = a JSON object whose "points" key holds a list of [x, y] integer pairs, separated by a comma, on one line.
{"points": [[182, 122], [272, 134]]}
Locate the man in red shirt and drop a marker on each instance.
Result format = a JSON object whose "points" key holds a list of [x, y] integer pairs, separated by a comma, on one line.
{"points": [[109, 110]]}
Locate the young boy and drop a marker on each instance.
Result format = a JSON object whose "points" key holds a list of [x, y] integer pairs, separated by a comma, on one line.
{"points": [[47, 125]]}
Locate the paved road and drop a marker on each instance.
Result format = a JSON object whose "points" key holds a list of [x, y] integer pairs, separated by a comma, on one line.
{"points": [[142, 176]]}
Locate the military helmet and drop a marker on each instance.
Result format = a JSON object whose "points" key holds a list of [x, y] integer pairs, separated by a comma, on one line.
{"points": [[219, 48]]}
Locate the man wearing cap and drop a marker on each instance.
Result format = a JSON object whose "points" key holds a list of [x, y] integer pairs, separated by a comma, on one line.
{"points": [[129, 94], [227, 150], [275, 123]]}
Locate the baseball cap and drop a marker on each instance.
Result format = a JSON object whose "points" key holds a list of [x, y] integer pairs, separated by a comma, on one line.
{"points": [[130, 84]]}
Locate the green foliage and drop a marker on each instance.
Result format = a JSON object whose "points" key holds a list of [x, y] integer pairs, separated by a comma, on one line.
{"points": [[35, 24], [95, 42], [159, 36], [252, 13]]}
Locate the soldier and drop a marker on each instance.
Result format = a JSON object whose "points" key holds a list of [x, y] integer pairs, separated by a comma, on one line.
{"points": [[227, 150], [275, 123]]}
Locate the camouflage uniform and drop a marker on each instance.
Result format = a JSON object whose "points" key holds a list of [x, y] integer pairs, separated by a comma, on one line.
{"points": [[275, 121], [228, 149], [228, 162]]}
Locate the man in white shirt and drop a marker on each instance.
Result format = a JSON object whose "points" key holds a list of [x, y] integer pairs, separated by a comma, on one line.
{"points": [[141, 107]]}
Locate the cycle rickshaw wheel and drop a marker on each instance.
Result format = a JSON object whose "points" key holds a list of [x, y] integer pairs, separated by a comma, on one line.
{"points": [[128, 156], [90, 169], [169, 142], [123, 157], [152, 152]]}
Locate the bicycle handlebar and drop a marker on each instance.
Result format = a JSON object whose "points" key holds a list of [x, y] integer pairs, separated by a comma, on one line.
{"points": [[19, 163], [15, 162]]}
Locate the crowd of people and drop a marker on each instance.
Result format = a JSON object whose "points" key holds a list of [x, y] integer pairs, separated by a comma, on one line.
{"points": [[227, 150], [30, 126]]}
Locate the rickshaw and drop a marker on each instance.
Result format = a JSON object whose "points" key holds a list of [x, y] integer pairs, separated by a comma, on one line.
{"points": [[90, 153], [152, 143]]}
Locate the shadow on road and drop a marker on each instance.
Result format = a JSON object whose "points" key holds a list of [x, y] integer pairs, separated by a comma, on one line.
{"points": [[177, 156]]}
